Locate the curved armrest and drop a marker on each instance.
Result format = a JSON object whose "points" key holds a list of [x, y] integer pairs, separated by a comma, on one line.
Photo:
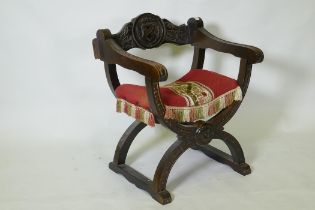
{"points": [[109, 51], [203, 39]]}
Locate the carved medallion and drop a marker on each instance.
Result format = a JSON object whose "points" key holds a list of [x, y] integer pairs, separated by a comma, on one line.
{"points": [[148, 30]]}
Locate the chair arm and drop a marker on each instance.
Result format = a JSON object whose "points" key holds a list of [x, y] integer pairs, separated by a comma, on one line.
{"points": [[203, 39], [110, 52]]}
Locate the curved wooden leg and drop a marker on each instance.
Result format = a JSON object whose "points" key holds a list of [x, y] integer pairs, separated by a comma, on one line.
{"points": [[157, 187], [118, 165], [236, 160], [163, 170], [126, 140]]}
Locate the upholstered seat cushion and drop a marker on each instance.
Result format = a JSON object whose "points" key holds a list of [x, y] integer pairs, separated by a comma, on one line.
{"points": [[199, 94]]}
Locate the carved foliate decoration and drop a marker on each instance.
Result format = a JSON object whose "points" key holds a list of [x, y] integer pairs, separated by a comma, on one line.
{"points": [[148, 31], [176, 34], [124, 37]]}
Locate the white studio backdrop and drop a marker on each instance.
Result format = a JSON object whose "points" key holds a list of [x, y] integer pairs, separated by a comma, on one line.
{"points": [[59, 129]]}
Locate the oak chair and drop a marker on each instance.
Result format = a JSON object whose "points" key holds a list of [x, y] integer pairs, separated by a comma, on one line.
{"points": [[195, 107]]}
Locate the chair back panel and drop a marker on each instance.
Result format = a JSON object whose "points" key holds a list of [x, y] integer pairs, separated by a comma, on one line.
{"points": [[149, 31]]}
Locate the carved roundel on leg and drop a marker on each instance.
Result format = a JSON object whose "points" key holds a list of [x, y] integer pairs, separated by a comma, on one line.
{"points": [[148, 30]]}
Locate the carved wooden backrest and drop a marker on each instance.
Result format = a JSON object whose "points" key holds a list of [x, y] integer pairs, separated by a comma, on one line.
{"points": [[149, 31]]}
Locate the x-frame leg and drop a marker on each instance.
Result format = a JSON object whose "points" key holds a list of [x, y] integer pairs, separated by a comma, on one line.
{"points": [[236, 160], [156, 187]]}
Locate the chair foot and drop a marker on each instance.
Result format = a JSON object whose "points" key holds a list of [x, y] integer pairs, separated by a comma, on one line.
{"points": [[222, 157], [141, 181], [242, 168]]}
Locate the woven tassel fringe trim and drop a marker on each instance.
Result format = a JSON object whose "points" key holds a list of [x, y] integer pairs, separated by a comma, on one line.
{"points": [[182, 114], [136, 112], [191, 114]]}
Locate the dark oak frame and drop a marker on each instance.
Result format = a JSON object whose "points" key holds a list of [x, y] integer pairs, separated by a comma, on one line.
{"points": [[112, 50]]}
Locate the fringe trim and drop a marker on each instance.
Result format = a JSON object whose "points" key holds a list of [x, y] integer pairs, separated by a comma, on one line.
{"points": [[191, 114], [136, 112], [182, 114]]}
